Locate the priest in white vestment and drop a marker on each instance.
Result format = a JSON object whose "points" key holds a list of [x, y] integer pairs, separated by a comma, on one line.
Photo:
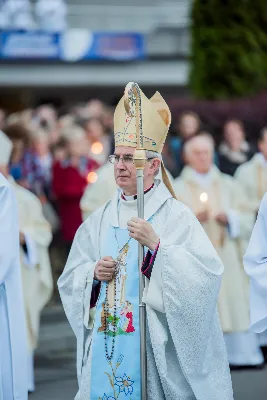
{"points": [[252, 175], [217, 201], [255, 262], [186, 354], [35, 238], [37, 282], [13, 347]]}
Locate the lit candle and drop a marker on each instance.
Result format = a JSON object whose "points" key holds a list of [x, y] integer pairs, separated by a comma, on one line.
{"points": [[204, 201], [97, 148], [92, 177], [204, 198]]}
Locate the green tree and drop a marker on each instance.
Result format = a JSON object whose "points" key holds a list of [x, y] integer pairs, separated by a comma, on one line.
{"points": [[229, 48]]}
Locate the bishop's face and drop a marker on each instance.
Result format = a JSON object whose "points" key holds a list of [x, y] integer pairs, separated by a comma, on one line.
{"points": [[125, 171]]}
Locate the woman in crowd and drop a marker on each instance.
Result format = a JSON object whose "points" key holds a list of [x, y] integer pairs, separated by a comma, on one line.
{"points": [[24, 166], [188, 125], [70, 178], [234, 150]]}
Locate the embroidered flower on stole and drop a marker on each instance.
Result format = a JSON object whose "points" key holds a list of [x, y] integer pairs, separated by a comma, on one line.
{"points": [[125, 384], [105, 397]]}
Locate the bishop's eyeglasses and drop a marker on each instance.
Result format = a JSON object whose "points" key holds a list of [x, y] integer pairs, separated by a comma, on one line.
{"points": [[126, 159]]}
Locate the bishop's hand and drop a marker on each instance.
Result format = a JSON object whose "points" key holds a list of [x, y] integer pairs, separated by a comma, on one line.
{"points": [[143, 232], [105, 269]]}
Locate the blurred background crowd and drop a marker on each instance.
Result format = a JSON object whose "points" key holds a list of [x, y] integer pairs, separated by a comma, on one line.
{"points": [[57, 153], [63, 68]]}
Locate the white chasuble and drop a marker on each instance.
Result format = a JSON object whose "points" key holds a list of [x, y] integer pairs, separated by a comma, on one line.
{"points": [[13, 347], [184, 363], [35, 263], [255, 262], [223, 195], [221, 198]]}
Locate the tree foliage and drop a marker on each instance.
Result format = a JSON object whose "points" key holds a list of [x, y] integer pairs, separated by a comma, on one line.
{"points": [[229, 48]]}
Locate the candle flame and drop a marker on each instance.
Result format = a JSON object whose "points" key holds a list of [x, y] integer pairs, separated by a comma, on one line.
{"points": [[97, 148], [92, 177], [204, 197]]}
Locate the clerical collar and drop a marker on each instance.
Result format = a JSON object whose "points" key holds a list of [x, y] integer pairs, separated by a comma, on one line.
{"points": [[134, 197], [203, 179]]}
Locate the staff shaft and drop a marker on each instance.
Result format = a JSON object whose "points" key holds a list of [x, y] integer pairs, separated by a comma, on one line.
{"points": [[142, 308]]}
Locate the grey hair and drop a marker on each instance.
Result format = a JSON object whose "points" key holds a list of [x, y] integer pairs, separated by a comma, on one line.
{"points": [[153, 154], [199, 138]]}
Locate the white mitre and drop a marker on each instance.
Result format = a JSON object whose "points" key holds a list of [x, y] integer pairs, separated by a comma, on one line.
{"points": [[5, 149]]}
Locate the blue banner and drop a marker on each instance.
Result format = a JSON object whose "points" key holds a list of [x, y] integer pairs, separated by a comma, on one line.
{"points": [[71, 46]]}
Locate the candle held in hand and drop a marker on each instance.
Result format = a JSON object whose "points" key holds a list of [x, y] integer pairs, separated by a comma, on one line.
{"points": [[204, 198]]}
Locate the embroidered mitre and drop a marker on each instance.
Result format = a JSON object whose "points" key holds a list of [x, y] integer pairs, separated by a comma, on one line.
{"points": [[156, 119]]}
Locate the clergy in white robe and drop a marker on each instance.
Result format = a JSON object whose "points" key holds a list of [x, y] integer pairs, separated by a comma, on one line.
{"points": [[186, 353], [13, 347], [37, 282], [35, 238], [252, 175], [255, 262], [98, 193], [217, 201]]}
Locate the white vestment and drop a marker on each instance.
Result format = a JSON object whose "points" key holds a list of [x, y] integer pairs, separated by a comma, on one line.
{"points": [[255, 262], [35, 265], [252, 176], [186, 354], [13, 348], [225, 196]]}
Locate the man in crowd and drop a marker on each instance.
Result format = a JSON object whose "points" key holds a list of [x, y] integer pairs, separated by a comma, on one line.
{"points": [[99, 287], [35, 236], [252, 175], [220, 207], [13, 348]]}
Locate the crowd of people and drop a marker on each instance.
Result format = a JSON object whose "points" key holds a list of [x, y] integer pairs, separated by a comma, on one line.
{"points": [[62, 157], [47, 15], [56, 155]]}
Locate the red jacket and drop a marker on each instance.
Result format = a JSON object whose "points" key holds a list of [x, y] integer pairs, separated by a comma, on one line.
{"points": [[68, 184]]}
